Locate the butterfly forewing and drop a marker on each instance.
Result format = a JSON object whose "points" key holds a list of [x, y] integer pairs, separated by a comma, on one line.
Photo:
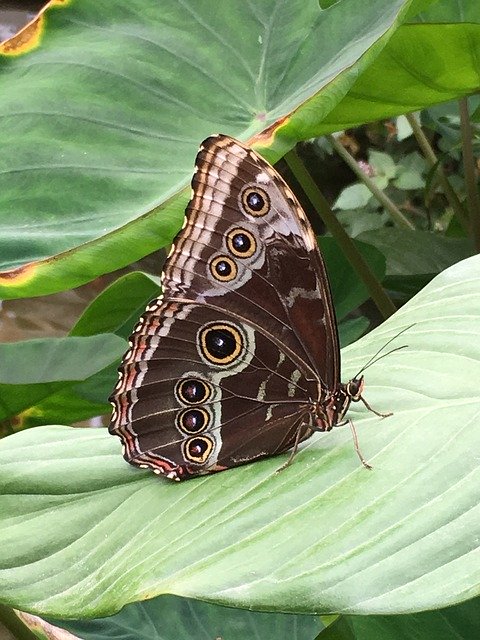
{"points": [[282, 286]]}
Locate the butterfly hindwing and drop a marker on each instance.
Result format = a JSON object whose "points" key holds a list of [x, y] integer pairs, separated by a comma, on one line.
{"points": [[176, 395]]}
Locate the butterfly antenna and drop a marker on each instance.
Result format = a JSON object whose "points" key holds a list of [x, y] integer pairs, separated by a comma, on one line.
{"points": [[376, 357]]}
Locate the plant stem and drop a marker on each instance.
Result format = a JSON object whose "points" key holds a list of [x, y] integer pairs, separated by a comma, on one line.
{"points": [[395, 213], [432, 160], [473, 197], [316, 197], [13, 623]]}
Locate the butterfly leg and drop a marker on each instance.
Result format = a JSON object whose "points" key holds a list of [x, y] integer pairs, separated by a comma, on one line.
{"points": [[357, 446], [377, 413], [293, 452]]}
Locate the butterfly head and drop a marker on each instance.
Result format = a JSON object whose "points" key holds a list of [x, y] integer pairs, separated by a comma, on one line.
{"points": [[331, 410], [345, 394], [354, 389]]}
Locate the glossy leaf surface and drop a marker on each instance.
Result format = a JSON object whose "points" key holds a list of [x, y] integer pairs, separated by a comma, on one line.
{"points": [[83, 534]]}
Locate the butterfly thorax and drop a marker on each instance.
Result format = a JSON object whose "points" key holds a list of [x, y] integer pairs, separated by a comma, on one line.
{"points": [[331, 407]]}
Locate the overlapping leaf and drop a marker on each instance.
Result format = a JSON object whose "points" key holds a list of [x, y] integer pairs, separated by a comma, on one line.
{"points": [[460, 622], [171, 618], [34, 370]]}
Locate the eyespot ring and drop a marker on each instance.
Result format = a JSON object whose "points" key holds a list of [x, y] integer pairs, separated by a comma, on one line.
{"points": [[197, 449], [223, 268], [186, 419], [255, 201], [241, 243], [192, 390], [220, 343]]}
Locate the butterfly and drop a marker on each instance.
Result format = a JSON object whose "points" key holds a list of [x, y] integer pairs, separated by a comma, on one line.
{"points": [[239, 359]]}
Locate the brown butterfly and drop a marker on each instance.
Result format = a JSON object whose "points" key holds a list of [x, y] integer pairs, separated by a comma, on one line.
{"points": [[239, 359]]}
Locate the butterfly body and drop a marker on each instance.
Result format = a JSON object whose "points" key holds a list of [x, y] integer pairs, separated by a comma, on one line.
{"points": [[239, 359]]}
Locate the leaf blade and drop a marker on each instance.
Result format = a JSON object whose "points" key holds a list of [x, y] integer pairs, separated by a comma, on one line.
{"points": [[400, 538]]}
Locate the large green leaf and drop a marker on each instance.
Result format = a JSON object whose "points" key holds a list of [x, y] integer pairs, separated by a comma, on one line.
{"points": [[82, 533], [117, 97]]}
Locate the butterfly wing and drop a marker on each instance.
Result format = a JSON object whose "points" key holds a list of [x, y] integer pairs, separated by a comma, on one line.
{"points": [[182, 412], [280, 282], [225, 367]]}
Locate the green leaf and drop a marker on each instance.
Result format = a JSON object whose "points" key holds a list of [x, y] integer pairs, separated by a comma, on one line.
{"points": [[422, 65], [404, 129], [117, 307], [348, 290], [447, 11], [34, 370], [444, 119], [77, 402], [350, 330], [410, 169], [409, 179], [83, 533], [141, 85], [358, 195], [171, 618], [407, 285], [67, 405], [417, 6], [460, 623], [356, 221], [383, 164], [354, 196], [56, 359], [416, 252]]}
